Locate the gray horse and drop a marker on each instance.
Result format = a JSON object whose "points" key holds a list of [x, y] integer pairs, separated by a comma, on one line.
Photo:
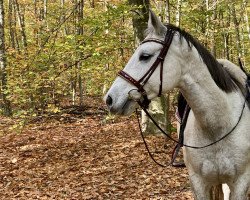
{"points": [[215, 90]]}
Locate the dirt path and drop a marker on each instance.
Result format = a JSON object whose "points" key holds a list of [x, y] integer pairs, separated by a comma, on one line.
{"points": [[88, 158]]}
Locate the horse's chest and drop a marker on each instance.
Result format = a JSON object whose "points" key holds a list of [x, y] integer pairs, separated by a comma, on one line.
{"points": [[222, 161], [213, 165], [220, 167]]}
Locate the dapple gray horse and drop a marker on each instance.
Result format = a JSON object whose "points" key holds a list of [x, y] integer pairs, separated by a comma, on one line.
{"points": [[214, 89]]}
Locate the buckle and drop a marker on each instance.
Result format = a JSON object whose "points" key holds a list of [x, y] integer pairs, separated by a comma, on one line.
{"points": [[160, 58]]}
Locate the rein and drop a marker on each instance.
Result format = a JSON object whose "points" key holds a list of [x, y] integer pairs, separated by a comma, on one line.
{"points": [[180, 142], [190, 146]]}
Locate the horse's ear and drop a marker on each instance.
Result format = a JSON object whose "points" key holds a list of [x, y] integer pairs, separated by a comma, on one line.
{"points": [[155, 25]]}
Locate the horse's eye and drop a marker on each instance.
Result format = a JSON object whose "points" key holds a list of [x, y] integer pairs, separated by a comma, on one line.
{"points": [[145, 57]]}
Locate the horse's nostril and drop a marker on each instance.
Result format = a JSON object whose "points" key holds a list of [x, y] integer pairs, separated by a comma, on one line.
{"points": [[109, 100]]}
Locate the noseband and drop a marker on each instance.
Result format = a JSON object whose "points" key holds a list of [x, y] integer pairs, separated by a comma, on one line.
{"points": [[144, 79]]}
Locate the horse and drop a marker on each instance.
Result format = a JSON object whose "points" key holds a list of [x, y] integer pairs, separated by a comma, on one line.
{"points": [[216, 92]]}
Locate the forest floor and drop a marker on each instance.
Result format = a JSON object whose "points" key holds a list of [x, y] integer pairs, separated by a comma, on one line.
{"points": [[86, 155]]}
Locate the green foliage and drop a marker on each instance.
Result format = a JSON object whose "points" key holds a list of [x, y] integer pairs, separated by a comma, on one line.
{"points": [[213, 23], [45, 72], [42, 76]]}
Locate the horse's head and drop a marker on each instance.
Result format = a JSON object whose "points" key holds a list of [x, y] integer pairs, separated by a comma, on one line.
{"points": [[144, 76]]}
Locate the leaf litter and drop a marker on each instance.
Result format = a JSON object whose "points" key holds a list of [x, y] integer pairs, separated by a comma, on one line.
{"points": [[87, 158]]}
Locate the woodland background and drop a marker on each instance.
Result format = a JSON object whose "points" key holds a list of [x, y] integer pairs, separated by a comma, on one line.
{"points": [[57, 59], [55, 53]]}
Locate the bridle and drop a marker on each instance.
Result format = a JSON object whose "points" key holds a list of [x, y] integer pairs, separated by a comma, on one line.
{"points": [[144, 103], [160, 60]]}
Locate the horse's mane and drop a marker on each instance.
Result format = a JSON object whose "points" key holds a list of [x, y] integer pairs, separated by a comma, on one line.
{"points": [[220, 75], [224, 78], [227, 76]]}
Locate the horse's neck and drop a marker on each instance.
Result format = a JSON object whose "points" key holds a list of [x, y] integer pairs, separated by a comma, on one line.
{"points": [[211, 106]]}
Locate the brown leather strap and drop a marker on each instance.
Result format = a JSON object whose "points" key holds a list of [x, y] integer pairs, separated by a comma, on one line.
{"points": [[160, 60], [153, 40], [129, 78]]}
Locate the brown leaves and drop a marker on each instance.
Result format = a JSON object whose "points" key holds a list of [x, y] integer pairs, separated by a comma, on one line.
{"points": [[86, 160]]}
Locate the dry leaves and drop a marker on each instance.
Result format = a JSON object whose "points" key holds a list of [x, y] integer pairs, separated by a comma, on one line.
{"points": [[86, 159]]}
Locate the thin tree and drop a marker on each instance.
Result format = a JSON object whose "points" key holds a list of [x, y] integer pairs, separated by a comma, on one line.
{"points": [[246, 19], [214, 27], [4, 89], [236, 22], [79, 32], [10, 23], [78, 17], [20, 13], [178, 13], [167, 11]]}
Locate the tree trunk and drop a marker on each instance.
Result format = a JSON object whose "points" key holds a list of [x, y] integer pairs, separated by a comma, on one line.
{"points": [[167, 12], [247, 29], [65, 29], [157, 109], [237, 29], [79, 32], [73, 86], [22, 24], [247, 24], [77, 79], [11, 26], [45, 10], [35, 30], [140, 19], [14, 16], [226, 34], [4, 89], [214, 17], [178, 13], [92, 4]]}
